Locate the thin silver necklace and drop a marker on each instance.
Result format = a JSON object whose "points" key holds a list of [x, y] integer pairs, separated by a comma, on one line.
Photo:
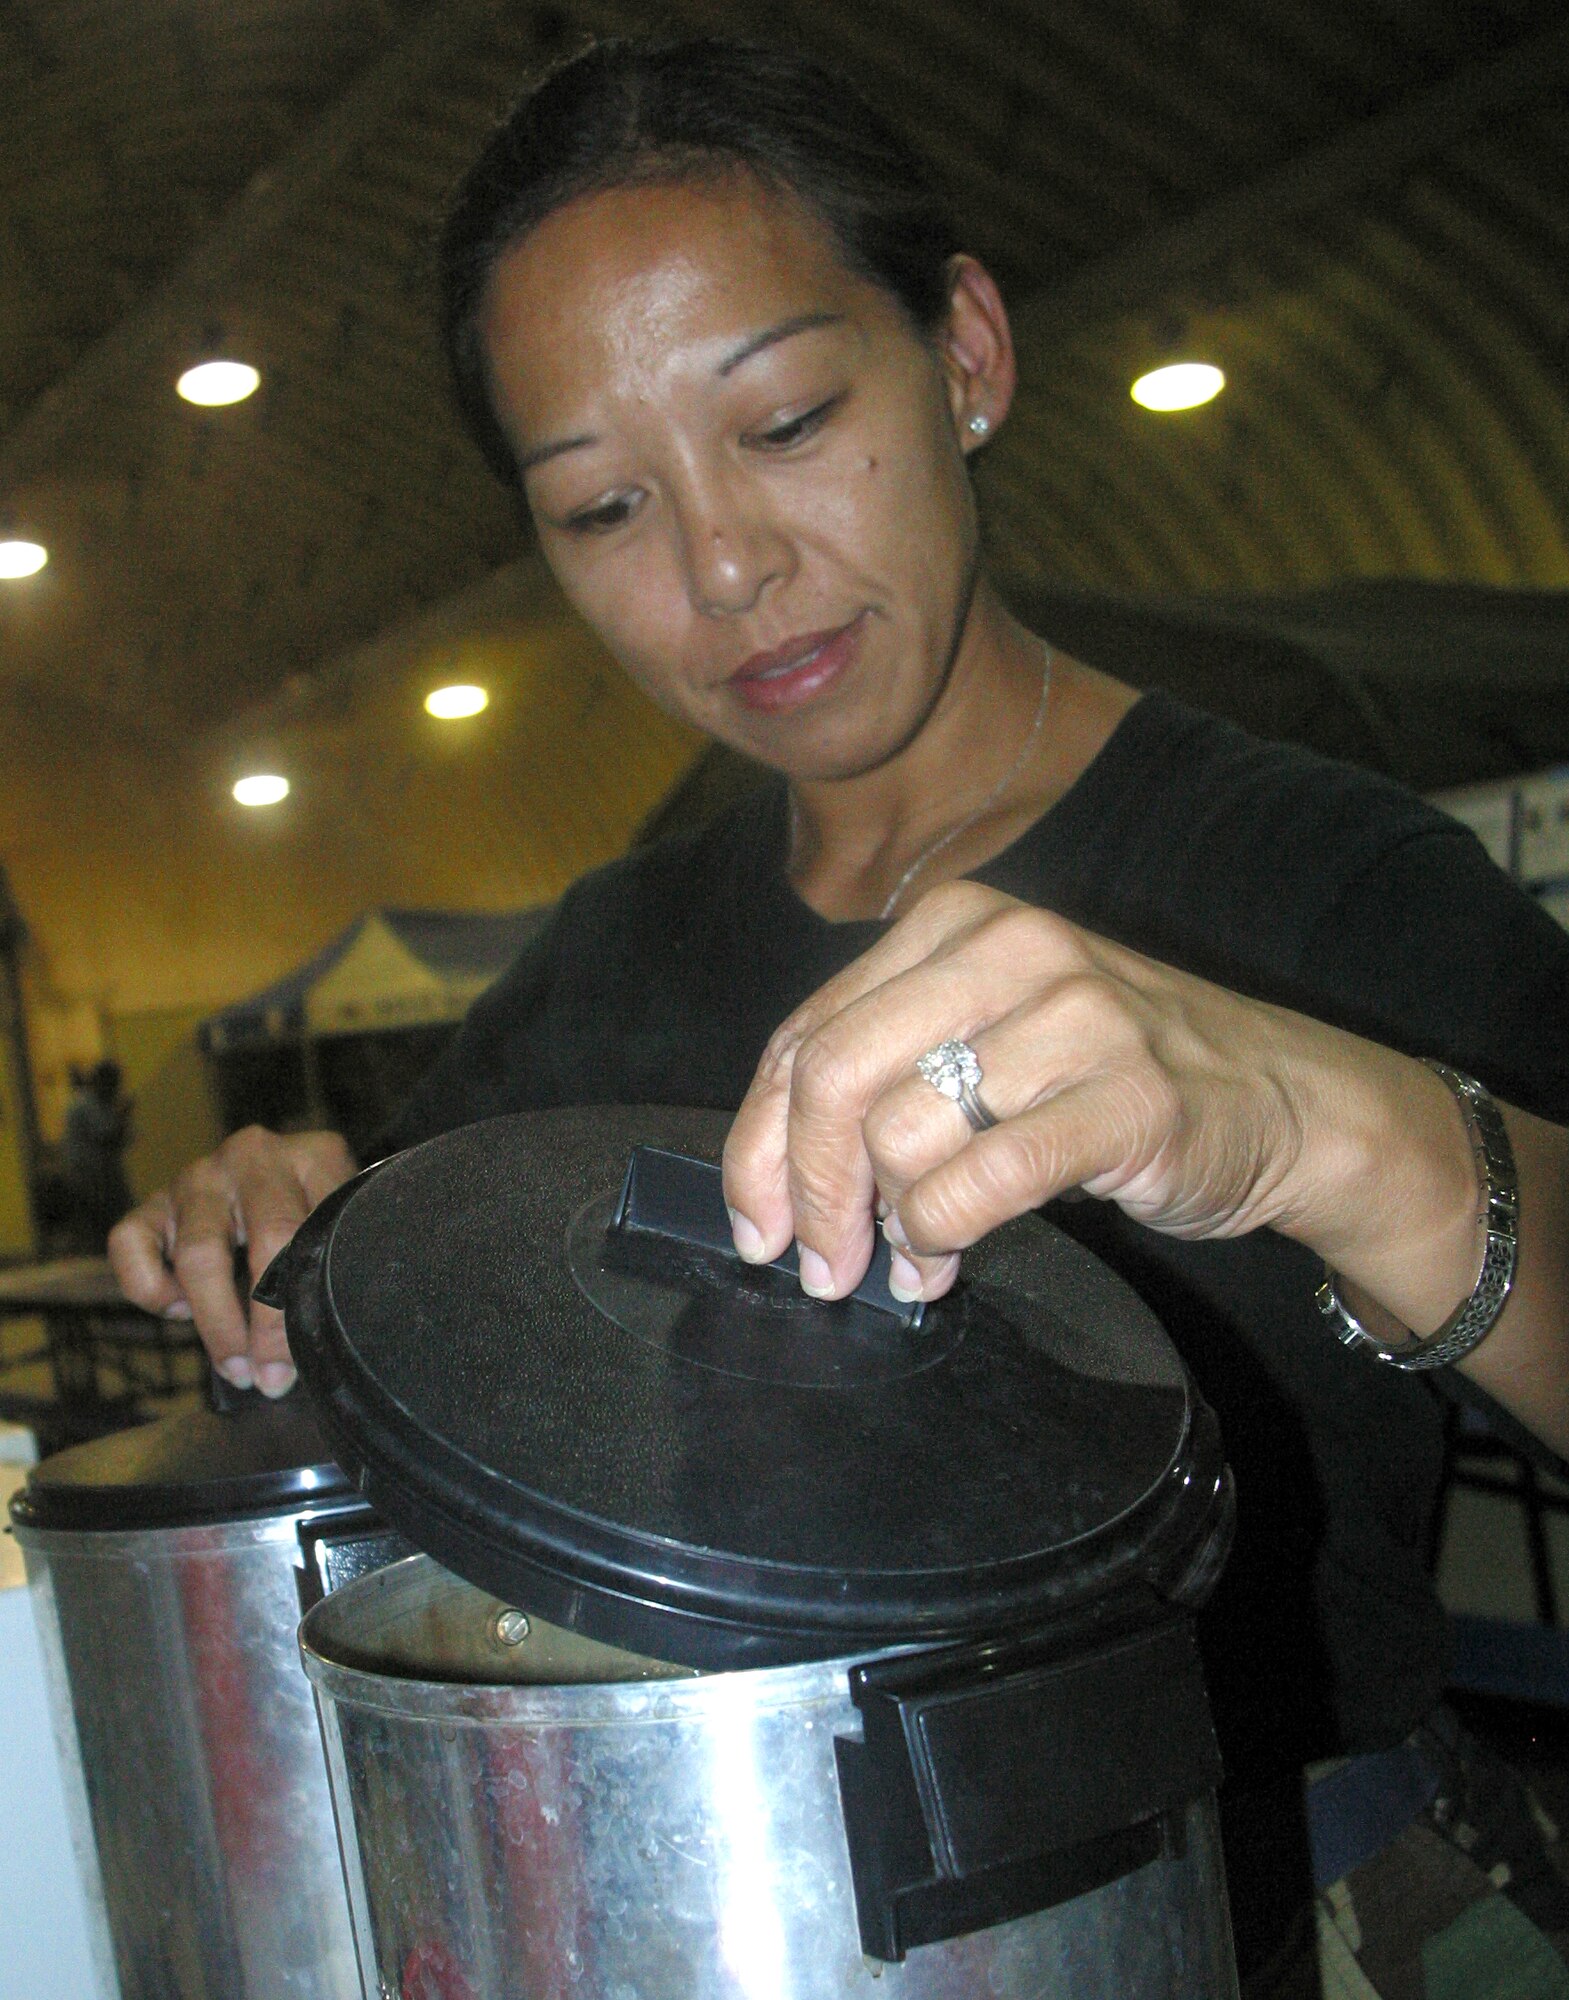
{"points": [[947, 839], [962, 826]]}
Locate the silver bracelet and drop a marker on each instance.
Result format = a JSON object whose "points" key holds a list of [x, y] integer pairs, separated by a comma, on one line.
{"points": [[1474, 1318]]}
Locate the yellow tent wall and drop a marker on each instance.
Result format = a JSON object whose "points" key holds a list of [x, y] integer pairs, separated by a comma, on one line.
{"points": [[16, 1215], [176, 1119]]}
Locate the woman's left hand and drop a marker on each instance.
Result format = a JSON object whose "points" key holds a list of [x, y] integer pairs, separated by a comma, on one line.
{"points": [[1199, 1112]]}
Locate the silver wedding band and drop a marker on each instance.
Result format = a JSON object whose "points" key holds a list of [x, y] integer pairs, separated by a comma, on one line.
{"points": [[954, 1069]]}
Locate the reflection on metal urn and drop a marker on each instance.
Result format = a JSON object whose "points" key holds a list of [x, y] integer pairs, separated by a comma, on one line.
{"points": [[589, 1822], [168, 1566]]}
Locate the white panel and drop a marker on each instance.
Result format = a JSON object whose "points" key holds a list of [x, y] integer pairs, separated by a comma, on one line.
{"points": [[1484, 1566], [1544, 827], [1489, 811], [53, 1939], [18, 1446], [1555, 900]]}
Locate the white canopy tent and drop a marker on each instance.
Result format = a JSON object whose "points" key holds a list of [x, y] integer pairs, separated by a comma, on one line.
{"points": [[392, 968]]}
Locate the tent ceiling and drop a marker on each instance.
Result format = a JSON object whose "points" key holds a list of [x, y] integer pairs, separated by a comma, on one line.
{"points": [[1360, 206]]}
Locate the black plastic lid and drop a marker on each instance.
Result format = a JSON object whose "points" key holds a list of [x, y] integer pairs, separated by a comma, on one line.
{"points": [[673, 1452], [187, 1470]]}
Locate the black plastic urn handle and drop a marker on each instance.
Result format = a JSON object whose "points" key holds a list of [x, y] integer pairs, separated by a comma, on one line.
{"points": [[671, 1197], [338, 1548], [272, 1287], [995, 1780]]}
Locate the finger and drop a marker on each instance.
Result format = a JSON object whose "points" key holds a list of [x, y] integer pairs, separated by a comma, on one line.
{"points": [[832, 1190], [928, 1278], [136, 1255], [846, 1072], [201, 1253], [1000, 1174], [323, 1162], [1083, 1028], [276, 1187], [1113, 1133], [1050, 1039], [755, 1163], [756, 1158], [274, 1222], [910, 1129], [839, 1074]]}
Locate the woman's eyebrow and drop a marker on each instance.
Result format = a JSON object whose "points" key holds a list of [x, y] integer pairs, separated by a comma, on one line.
{"points": [[785, 330], [770, 337], [541, 452]]}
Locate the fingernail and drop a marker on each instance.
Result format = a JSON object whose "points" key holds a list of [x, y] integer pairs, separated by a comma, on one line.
{"points": [[904, 1281], [748, 1239], [907, 1284], [275, 1378], [940, 1275], [237, 1372], [817, 1281], [177, 1309], [893, 1229]]}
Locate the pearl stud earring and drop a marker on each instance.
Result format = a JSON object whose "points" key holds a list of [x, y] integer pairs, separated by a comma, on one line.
{"points": [[979, 426]]}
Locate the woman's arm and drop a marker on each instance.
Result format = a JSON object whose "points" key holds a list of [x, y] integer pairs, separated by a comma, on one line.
{"points": [[1199, 1112], [1523, 1363]]}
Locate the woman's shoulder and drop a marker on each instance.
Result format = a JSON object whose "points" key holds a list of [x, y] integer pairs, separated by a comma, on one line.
{"points": [[1198, 767], [1197, 842], [1323, 886], [1187, 799]]}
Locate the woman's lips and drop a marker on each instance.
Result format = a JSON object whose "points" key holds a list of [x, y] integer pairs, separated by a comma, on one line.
{"points": [[798, 671]]}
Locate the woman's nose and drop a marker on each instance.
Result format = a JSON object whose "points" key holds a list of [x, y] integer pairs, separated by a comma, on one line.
{"points": [[732, 556]]}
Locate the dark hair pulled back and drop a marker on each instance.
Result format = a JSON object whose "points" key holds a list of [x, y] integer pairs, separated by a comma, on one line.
{"points": [[630, 111]]}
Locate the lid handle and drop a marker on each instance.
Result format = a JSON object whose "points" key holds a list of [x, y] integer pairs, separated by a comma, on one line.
{"points": [[672, 1197]]}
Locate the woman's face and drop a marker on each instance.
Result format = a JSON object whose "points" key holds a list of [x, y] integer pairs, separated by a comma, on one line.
{"points": [[744, 466]]}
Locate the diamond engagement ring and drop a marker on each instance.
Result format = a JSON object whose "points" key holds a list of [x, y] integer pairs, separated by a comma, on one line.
{"points": [[955, 1070]]}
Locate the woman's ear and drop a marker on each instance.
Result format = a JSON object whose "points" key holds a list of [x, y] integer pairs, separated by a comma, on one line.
{"points": [[976, 351]]}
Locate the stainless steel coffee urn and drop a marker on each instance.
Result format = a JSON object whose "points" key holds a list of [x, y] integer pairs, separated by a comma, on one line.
{"points": [[763, 1649], [168, 1567]]}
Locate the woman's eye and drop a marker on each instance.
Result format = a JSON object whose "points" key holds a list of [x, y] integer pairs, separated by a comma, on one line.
{"points": [[607, 514], [796, 430]]}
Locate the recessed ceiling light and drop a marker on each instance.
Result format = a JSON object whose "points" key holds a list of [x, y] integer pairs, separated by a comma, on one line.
{"points": [[214, 383], [450, 703], [19, 559], [263, 789], [1180, 385]]}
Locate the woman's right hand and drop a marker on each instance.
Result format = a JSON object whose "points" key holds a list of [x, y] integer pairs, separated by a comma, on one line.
{"points": [[175, 1254]]}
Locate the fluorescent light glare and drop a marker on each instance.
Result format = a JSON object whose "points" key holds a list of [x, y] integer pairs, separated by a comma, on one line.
{"points": [[1181, 385], [19, 559], [263, 789], [451, 703], [215, 383]]}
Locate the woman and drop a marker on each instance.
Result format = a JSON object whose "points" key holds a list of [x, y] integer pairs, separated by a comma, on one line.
{"points": [[705, 314]]}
